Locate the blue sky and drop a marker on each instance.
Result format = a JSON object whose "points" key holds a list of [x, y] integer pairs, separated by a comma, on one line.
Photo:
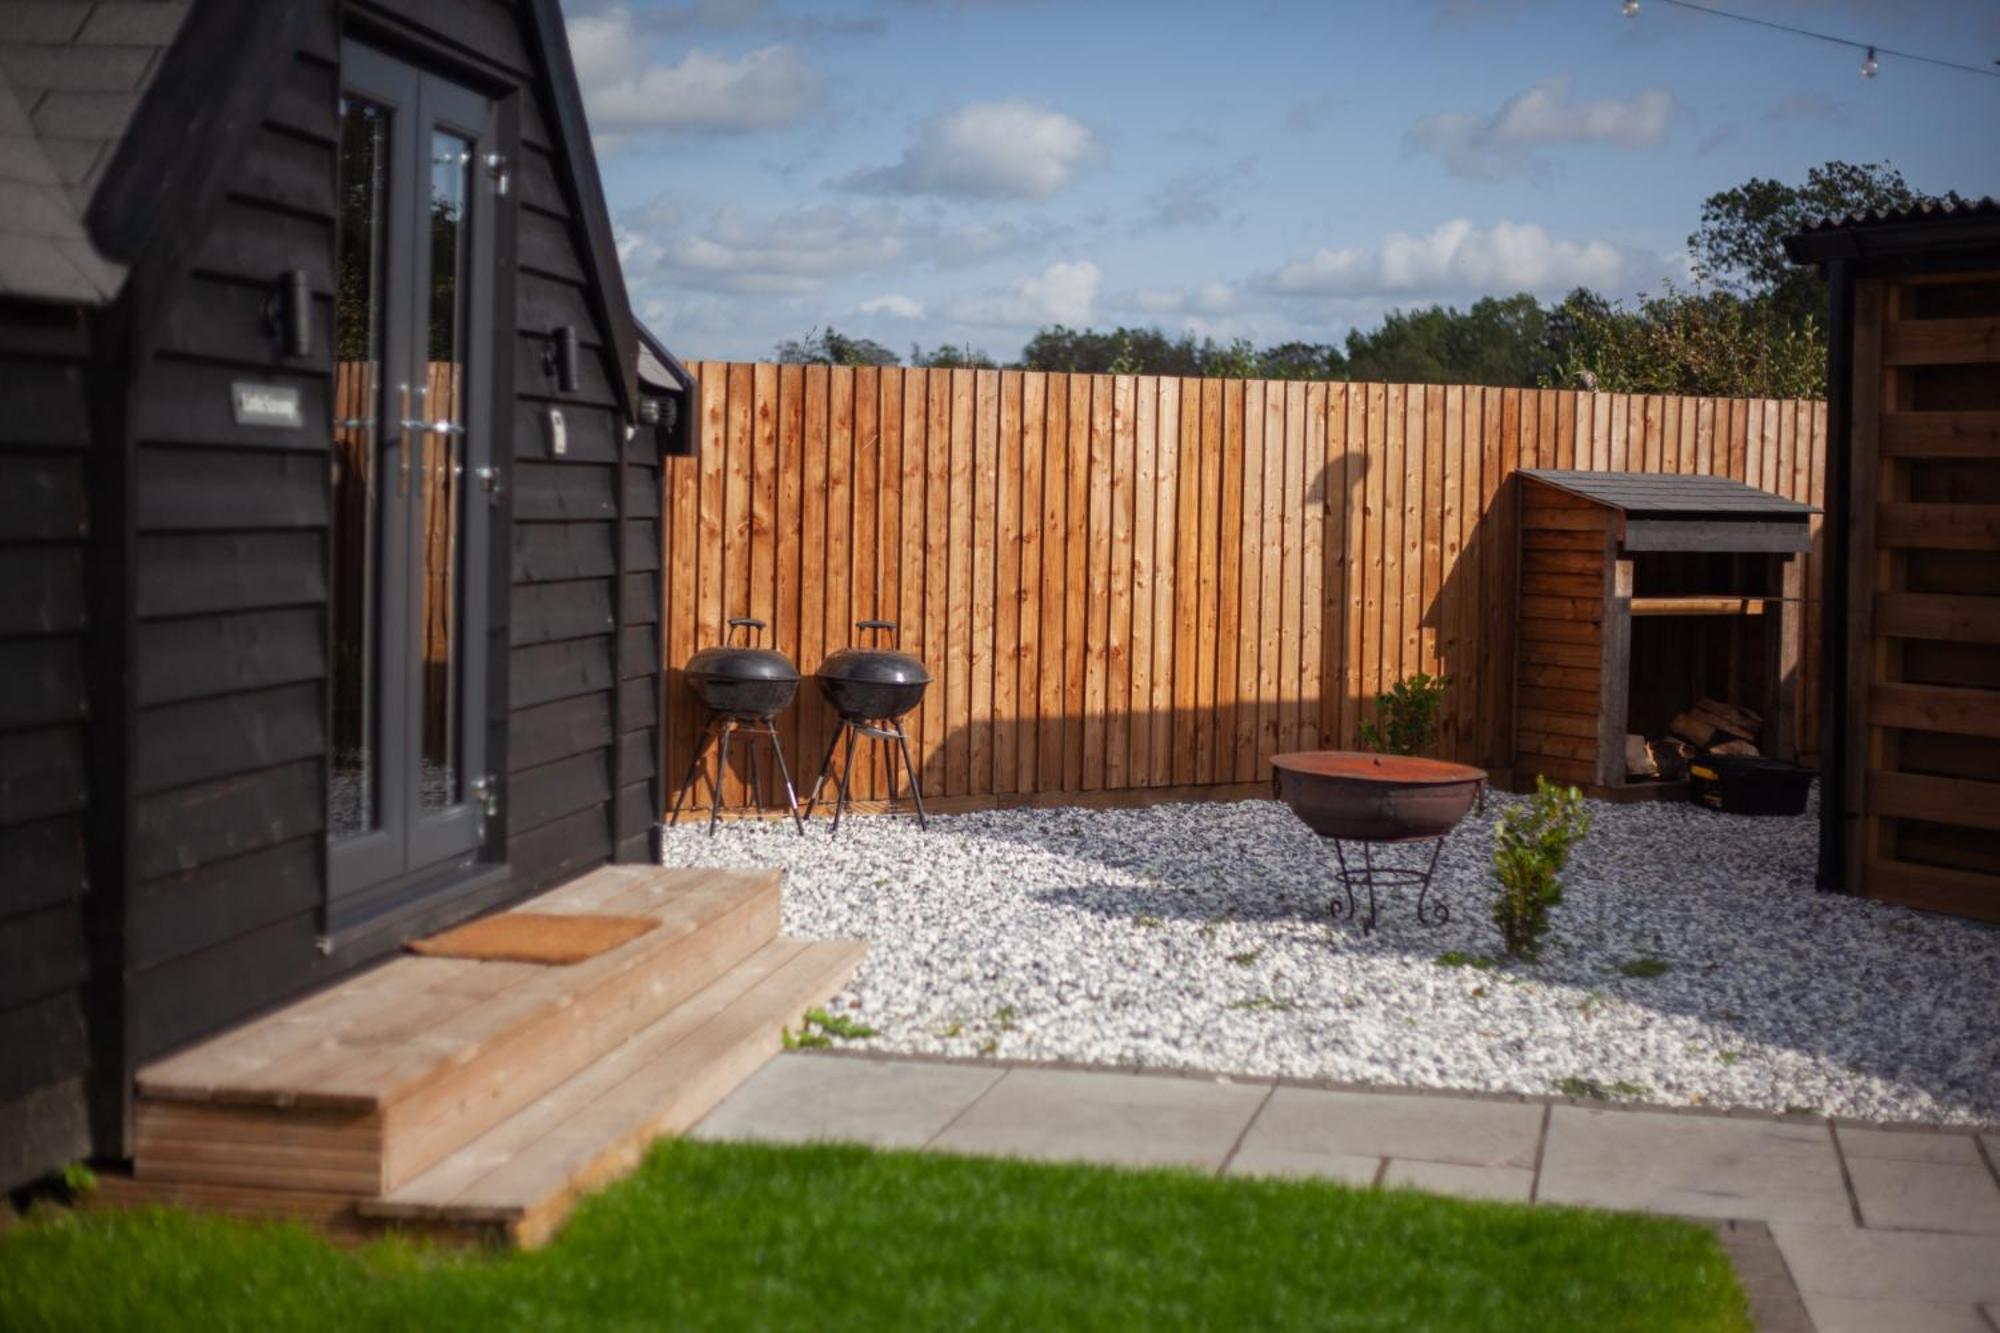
{"points": [[967, 170]]}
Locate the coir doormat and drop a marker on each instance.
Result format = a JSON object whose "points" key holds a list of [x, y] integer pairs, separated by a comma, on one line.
{"points": [[535, 937]]}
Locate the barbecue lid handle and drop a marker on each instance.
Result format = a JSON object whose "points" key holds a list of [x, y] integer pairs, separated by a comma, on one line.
{"points": [[876, 626], [743, 622]]}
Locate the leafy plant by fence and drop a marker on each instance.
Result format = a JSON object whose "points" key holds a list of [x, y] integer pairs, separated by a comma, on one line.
{"points": [[1138, 581]]}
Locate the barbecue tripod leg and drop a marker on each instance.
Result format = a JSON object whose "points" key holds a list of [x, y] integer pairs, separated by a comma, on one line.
{"points": [[916, 791], [693, 772], [785, 776], [721, 768], [846, 769], [812, 800]]}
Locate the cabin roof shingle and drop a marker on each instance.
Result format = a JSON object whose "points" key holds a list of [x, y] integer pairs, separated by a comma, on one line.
{"points": [[1658, 494], [72, 74]]}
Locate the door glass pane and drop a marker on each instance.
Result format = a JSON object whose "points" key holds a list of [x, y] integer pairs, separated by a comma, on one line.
{"points": [[358, 314], [441, 523]]}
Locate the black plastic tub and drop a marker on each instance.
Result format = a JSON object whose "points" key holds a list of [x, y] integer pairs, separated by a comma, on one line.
{"points": [[1748, 785]]}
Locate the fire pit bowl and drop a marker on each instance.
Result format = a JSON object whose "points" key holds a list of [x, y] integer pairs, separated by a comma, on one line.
{"points": [[1377, 798]]}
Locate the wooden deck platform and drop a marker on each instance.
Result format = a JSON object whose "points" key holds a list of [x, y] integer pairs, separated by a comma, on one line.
{"points": [[481, 1098]]}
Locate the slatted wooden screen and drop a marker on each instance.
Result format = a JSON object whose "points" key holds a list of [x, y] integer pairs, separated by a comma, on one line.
{"points": [[1140, 581], [1922, 712]]}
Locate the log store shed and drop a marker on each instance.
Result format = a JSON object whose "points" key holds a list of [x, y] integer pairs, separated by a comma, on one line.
{"points": [[1910, 804], [1640, 594], [329, 515]]}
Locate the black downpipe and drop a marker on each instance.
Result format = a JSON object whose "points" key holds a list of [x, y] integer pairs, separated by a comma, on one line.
{"points": [[1833, 738]]}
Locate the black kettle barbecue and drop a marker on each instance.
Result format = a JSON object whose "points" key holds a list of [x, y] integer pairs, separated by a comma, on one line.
{"points": [[870, 689], [744, 687]]}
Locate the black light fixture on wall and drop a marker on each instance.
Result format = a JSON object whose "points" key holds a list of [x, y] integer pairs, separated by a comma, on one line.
{"points": [[670, 423], [288, 314], [560, 357]]}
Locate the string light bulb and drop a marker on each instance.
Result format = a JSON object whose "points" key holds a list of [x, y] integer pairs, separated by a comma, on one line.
{"points": [[1869, 64], [1631, 9]]}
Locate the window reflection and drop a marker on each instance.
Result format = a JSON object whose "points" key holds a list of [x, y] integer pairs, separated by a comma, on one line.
{"points": [[358, 314]]}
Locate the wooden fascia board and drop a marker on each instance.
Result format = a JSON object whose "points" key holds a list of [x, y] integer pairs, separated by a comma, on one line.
{"points": [[1759, 535]]}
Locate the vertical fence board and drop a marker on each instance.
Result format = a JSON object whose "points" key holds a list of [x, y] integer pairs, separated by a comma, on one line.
{"points": [[1118, 609], [1054, 724], [1249, 584], [985, 555], [1097, 621], [1166, 569], [1229, 547], [1007, 590], [1139, 667], [1270, 582], [1314, 523], [1076, 586], [1194, 588]]}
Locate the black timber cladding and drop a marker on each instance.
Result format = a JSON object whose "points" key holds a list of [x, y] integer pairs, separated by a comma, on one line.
{"points": [[209, 627], [44, 784], [1662, 495]]}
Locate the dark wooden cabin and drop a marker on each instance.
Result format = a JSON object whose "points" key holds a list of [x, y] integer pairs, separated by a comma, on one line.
{"points": [[329, 515], [1640, 595], [1911, 723]]}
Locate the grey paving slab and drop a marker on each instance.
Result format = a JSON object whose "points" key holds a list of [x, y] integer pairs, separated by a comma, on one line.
{"points": [[1342, 1167], [885, 1103], [1839, 1314], [1122, 1119], [1696, 1165], [1908, 1145], [1927, 1196], [1511, 1183], [1866, 1265], [1428, 1129]]}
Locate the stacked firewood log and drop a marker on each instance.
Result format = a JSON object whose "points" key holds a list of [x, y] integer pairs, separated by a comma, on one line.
{"points": [[1709, 727]]}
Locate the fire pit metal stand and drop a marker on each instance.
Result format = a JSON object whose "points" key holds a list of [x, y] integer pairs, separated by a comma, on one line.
{"points": [[1371, 799], [1368, 875]]}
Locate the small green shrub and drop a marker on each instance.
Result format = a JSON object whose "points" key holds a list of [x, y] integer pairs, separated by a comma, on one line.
{"points": [[1530, 847], [1597, 1091], [1460, 958], [818, 1029], [1406, 715], [1645, 967]]}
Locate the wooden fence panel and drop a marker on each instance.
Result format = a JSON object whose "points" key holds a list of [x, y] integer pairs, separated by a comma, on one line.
{"points": [[1134, 581]]}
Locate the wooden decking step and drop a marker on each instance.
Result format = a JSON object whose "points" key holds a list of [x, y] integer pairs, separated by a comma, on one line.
{"points": [[522, 1177], [362, 1087]]}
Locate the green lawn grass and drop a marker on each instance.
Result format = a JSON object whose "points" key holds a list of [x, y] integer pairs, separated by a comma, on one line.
{"points": [[710, 1236]]}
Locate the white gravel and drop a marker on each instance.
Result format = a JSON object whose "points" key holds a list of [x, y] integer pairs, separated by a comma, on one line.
{"points": [[1196, 936]]}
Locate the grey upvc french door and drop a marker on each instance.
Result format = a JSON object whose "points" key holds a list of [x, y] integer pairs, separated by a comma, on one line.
{"points": [[412, 471]]}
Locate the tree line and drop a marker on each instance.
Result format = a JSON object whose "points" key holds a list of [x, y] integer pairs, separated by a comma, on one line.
{"points": [[1752, 324]]}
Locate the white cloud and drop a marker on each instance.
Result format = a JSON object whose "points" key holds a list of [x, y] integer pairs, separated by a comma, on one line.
{"points": [[988, 150], [794, 251], [1208, 298], [1062, 293], [679, 241], [624, 89], [1456, 259], [1493, 147], [893, 303]]}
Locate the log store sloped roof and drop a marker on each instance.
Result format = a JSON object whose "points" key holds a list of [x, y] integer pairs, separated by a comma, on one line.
{"points": [[72, 74], [1678, 495]]}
